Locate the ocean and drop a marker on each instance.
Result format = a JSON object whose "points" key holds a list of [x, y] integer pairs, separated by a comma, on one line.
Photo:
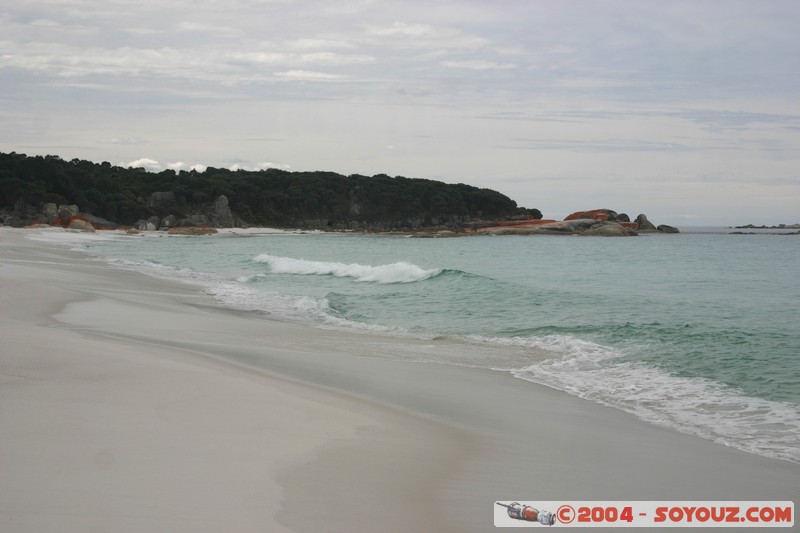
{"points": [[697, 331]]}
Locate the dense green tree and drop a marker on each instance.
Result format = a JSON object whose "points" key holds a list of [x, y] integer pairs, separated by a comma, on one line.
{"points": [[267, 197]]}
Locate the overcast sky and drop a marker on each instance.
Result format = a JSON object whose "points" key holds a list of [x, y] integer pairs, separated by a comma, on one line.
{"points": [[686, 111]]}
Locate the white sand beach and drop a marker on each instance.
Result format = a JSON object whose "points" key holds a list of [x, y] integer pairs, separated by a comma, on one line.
{"points": [[130, 403]]}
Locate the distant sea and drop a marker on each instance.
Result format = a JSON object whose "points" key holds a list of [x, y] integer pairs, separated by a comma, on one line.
{"points": [[697, 331]]}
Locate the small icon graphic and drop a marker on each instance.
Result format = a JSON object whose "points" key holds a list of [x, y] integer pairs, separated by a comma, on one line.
{"points": [[528, 513]]}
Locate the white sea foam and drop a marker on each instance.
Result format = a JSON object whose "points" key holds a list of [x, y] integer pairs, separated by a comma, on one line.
{"points": [[284, 306], [692, 405], [252, 231], [400, 272], [76, 240], [237, 295], [158, 270]]}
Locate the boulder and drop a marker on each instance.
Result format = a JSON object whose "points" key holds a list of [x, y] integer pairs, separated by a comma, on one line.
{"points": [[644, 224], [100, 223], [144, 225], [594, 214], [65, 212], [168, 222], [609, 229], [222, 217], [13, 221], [623, 217], [192, 220], [667, 229], [50, 212], [191, 230], [562, 227], [578, 225], [154, 220], [79, 222]]}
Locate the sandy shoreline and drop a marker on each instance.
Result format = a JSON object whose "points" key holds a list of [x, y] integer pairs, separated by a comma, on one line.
{"points": [[129, 403]]}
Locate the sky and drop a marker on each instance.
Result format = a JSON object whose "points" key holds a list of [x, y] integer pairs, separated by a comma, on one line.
{"points": [[686, 111]]}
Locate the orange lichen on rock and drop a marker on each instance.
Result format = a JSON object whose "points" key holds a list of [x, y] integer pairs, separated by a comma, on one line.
{"points": [[595, 214], [80, 222], [517, 224]]}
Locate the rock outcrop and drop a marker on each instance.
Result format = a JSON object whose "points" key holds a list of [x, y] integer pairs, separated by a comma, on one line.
{"points": [[577, 226], [609, 229], [604, 215], [65, 212], [100, 223], [168, 222], [192, 221], [50, 212], [79, 222], [594, 214], [222, 216], [594, 222], [645, 224], [574, 226], [145, 225]]}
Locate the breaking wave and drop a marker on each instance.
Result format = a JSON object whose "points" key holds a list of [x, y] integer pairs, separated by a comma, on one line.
{"points": [[696, 406], [400, 272]]}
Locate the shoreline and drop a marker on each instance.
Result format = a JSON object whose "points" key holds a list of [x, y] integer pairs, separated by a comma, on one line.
{"points": [[371, 443], [111, 424]]}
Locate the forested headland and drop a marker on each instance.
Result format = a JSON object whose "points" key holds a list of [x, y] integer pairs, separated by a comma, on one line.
{"points": [[271, 197]]}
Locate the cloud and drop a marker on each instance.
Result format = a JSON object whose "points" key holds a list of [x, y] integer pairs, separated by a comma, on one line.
{"points": [[477, 64], [316, 44], [260, 166], [404, 35], [144, 31], [212, 29], [46, 23], [145, 162], [399, 29], [127, 141], [723, 119], [332, 59], [151, 165], [307, 75], [180, 165], [604, 145], [74, 61], [259, 58]]}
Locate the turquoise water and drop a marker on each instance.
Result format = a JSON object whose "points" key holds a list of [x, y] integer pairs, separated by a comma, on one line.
{"points": [[698, 331]]}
